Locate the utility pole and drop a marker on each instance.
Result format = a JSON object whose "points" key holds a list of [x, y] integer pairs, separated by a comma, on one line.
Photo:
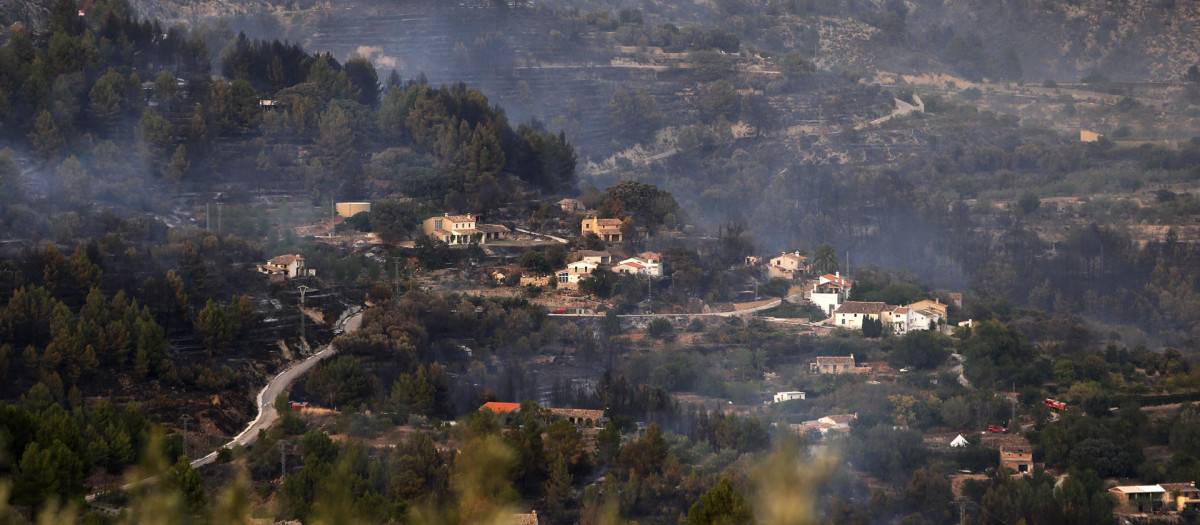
{"points": [[219, 207], [282, 459], [207, 218], [962, 512], [185, 418]]}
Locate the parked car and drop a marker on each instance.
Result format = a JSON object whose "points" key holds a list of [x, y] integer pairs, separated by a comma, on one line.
{"points": [[1055, 404], [560, 310], [997, 429]]}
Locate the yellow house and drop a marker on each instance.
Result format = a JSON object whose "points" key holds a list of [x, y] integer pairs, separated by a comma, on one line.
{"points": [[788, 265], [461, 229], [350, 209], [935, 306], [839, 364], [1020, 459], [608, 230]]}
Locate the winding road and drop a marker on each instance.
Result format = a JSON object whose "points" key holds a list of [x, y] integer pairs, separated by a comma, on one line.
{"points": [[266, 397]]}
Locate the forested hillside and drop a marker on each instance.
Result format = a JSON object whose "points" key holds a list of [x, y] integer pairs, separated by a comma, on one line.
{"points": [[584, 261]]}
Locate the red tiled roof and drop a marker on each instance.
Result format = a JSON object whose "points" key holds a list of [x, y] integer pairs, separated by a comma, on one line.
{"points": [[835, 279], [500, 408]]}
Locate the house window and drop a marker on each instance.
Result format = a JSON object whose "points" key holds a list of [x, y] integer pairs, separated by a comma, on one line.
{"points": [[562, 278], [437, 224]]}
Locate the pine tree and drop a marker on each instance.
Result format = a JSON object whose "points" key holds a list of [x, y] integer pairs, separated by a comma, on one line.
{"points": [[45, 138], [105, 101], [722, 505], [164, 89], [558, 489], [179, 165], [85, 273], [45, 472], [183, 479], [156, 133]]}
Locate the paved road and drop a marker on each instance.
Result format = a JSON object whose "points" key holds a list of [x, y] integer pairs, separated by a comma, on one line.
{"points": [[559, 240], [266, 397], [277, 385], [734, 313]]}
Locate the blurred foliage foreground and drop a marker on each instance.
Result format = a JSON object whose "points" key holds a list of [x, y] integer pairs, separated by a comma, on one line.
{"points": [[786, 487]]}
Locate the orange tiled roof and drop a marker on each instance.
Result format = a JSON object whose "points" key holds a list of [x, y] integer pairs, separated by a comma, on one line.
{"points": [[500, 408]]}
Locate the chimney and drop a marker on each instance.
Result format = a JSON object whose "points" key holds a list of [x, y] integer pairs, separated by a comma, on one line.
{"points": [[837, 274]]}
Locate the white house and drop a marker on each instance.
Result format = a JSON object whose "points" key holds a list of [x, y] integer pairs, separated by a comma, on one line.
{"points": [[829, 293], [290, 266], [905, 319], [825, 425], [850, 314], [788, 396], [571, 205], [595, 257], [569, 278], [638, 266]]}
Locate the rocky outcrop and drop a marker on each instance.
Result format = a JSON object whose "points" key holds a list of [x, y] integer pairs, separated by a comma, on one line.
{"points": [[33, 14]]}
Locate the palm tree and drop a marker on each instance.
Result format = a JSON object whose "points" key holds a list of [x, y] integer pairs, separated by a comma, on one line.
{"points": [[825, 259]]}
